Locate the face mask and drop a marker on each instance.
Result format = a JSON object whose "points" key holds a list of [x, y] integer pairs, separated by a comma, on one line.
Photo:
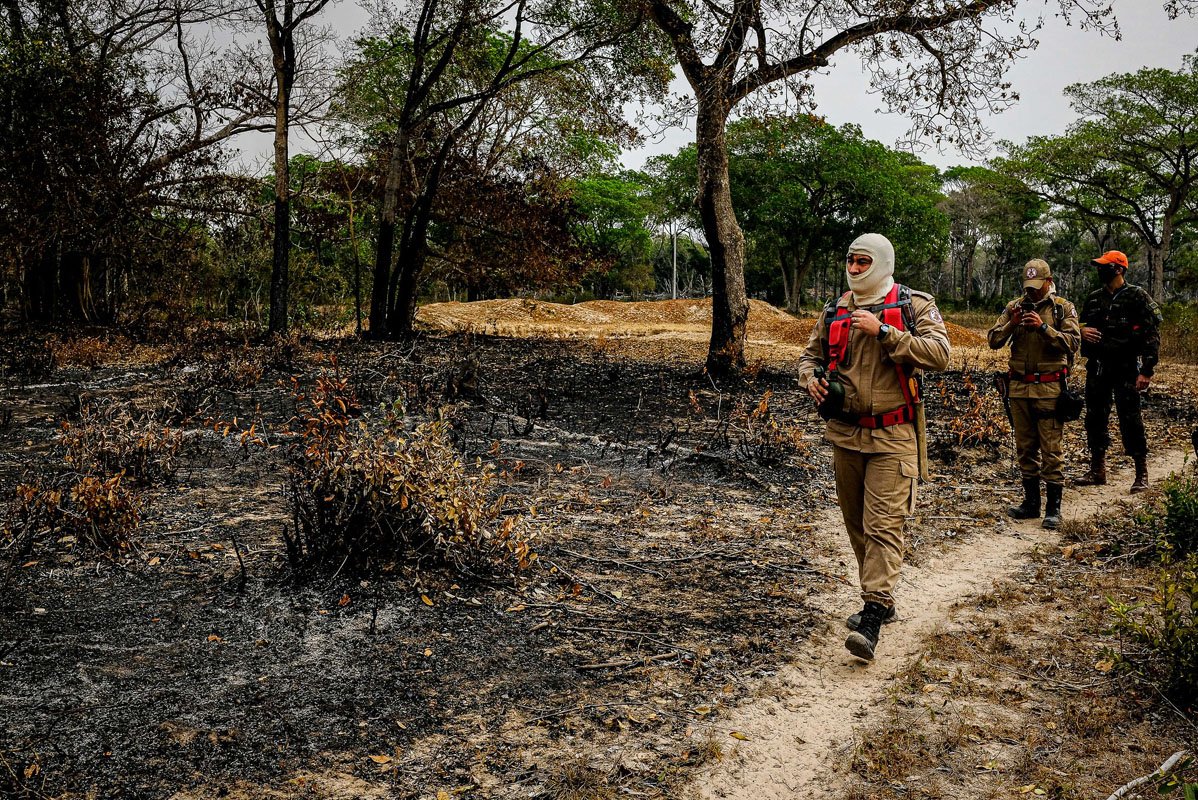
{"points": [[1107, 273]]}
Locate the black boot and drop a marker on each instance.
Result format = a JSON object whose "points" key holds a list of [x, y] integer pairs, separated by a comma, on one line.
{"points": [[854, 620], [1141, 482], [1097, 474], [1052, 506], [862, 641], [1030, 508]]}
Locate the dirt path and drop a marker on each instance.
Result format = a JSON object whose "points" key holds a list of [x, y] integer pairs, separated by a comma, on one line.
{"points": [[808, 717]]}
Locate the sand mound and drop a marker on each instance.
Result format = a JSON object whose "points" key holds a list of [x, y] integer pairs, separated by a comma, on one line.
{"points": [[686, 319]]}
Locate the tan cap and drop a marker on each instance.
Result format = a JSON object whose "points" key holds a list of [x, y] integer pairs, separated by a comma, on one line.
{"points": [[1035, 272]]}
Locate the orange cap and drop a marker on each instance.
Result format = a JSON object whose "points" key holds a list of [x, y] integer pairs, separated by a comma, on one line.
{"points": [[1111, 257]]}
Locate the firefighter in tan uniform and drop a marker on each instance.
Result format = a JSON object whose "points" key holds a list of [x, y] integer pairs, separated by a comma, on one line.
{"points": [[1044, 333], [861, 367]]}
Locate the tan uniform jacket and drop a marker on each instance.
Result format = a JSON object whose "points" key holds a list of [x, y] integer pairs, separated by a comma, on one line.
{"points": [[1033, 351], [871, 382]]}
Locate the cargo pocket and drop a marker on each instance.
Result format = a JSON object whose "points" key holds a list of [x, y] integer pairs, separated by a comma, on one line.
{"points": [[910, 472]]}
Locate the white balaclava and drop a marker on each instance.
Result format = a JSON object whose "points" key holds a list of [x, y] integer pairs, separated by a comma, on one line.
{"points": [[871, 287]]}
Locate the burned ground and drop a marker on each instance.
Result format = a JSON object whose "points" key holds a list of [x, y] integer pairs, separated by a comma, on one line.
{"points": [[675, 558]]}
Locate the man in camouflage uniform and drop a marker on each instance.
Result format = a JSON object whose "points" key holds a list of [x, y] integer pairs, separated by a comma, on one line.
{"points": [[1044, 334], [1121, 342], [875, 450]]}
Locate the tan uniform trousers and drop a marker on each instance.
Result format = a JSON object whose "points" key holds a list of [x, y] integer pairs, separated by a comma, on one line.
{"points": [[1038, 438], [877, 493]]}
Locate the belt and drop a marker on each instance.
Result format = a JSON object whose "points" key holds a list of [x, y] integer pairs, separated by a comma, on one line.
{"points": [[1040, 377], [899, 416]]}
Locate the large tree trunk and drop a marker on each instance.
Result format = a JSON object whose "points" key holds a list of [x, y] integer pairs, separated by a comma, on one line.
{"points": [[75, 286], [40, 285], [403, 313], [967, 277], [383, 289], [802, 267], [1158, 256], [281, 263], [726, 242], [787, 298], [413, 252]]}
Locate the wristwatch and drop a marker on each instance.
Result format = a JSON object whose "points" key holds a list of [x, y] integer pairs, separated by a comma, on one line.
{"points": [[883, 331]]}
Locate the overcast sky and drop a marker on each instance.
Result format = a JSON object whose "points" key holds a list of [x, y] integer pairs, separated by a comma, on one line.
{"points": [[1065, 56]]}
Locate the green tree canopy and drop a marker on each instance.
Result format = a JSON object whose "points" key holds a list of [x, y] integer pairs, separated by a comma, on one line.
{"points": [[804, 189], [1131, 158], [994, 228], [425, 88], [613, 209]]}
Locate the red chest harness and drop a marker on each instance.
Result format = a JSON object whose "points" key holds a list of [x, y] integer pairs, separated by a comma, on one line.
{"points": [[894, 311]]}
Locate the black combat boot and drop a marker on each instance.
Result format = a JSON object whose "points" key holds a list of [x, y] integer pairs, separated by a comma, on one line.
{"points": [[1052, 506], [1030, 508], [862, 641], [1141, 481], [854, 620], [1097, 474]]}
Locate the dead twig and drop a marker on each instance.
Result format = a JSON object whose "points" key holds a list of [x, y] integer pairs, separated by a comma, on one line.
{"points": [[1160, 772], [625, 632], [1039, 679], [589, 707], [581, 582], [628, 663], [240, 562], [615, 561], [695, 556]]}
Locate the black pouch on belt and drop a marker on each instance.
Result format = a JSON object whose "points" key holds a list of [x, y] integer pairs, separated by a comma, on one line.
{"points": [[1069, 405], [833, 404]]}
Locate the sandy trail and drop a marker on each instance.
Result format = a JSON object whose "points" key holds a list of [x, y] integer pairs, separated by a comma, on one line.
{"points": [[810, 717]]}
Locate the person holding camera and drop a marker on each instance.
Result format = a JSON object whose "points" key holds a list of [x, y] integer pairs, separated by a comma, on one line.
{"points": [[861, 367], [1121, 342], [1044, 333]]}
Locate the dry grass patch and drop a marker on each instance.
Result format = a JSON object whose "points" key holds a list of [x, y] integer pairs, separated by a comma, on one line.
{"points": [[651, 330], [1019, 697]]}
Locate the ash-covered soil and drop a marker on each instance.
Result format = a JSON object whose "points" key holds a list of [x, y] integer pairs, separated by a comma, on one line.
{"points": [[674, 533]]}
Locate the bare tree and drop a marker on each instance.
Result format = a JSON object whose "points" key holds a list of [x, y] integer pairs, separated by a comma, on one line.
{"points": [[449, 59], [108, 113], [283, 19]]}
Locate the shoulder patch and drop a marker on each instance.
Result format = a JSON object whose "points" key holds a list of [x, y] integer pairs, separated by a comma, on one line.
{"points": [[934, 314], [1073, 311]]}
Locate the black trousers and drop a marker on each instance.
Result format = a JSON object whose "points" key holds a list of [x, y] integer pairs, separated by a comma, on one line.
{"points": [[1108, 381]]}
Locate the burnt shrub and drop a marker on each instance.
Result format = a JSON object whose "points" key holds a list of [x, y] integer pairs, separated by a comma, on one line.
{"points": [[88, 352], [102, 514], [21, 776], [98, 514], [766, 440], [108, 440], [369, 494], [31, 513], [971, 421], [27, 358]]}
